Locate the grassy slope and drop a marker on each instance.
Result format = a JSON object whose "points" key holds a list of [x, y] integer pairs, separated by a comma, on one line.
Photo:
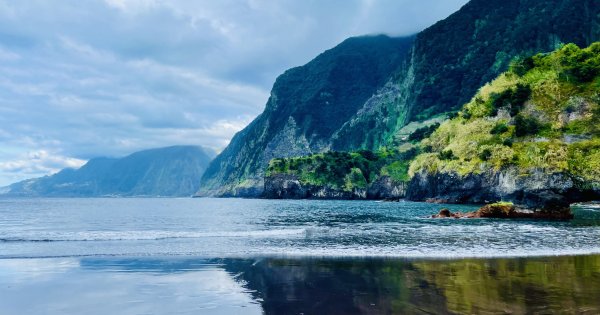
{"points": [[544, 113]]}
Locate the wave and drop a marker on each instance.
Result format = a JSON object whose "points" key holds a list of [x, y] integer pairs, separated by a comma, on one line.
{"points": [[99, 236], [343, 253]]}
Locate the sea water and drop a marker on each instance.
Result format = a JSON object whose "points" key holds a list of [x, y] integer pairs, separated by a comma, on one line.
{"points": [[228, 228], [240, 256]]}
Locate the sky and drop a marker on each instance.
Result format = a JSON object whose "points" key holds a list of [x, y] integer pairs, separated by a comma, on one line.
{"points": [[87, 78]]}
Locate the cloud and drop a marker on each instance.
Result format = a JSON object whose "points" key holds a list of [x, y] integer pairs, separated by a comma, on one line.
{"points": [[108, 77], [34, 163]]}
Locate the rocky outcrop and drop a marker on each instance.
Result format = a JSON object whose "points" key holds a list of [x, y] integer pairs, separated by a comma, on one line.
{"points": [[506, 210], [283, 186], [386, 188], [534, 190]]}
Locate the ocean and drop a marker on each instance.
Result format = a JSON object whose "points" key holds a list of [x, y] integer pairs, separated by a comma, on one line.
{"points": [[247, 256]]}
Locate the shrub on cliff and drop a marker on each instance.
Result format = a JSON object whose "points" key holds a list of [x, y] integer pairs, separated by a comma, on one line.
{"points": [[523, 117]]}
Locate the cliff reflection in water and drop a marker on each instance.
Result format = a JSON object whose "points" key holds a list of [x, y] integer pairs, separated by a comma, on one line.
{"points": [[523, 285], [566, 284]]}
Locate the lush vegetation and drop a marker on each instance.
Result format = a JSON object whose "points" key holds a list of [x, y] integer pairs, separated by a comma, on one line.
{"points": [[452, 59], [543, 113], [359, 94], [344, 170]]}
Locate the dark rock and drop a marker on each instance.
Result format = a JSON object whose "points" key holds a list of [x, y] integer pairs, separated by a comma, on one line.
{"points": [[550, 192], [497, 210], [445, 213], [387, 189], [284, 187], [507, 210]]}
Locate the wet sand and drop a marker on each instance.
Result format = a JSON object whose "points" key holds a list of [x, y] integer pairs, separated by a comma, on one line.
{"points": [[184, 285]]}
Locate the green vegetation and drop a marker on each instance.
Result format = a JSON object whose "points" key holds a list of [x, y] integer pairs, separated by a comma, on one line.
{"points": [[543, 113], [346, 171], [360, 94], [423, 132]]}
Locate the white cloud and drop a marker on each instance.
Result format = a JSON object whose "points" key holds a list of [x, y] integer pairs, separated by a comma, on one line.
{"points": [[109, 77], [223, 130], [34, 164]]}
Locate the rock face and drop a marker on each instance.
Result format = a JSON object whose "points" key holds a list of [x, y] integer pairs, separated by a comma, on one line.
{"points": [[360, 93], [450, 60], [282, 186], [171, 171], [537, 190], [386, 188], [307, 105]]}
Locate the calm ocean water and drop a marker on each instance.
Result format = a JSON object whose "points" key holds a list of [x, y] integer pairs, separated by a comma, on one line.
{"points": [[226, 228], [235, 256]]}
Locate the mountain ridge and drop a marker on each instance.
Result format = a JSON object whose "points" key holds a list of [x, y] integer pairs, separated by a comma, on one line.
{"points": [[168, 171]]}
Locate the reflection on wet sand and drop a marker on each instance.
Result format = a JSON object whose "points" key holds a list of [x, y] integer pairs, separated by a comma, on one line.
{"points": [[524, 285], [567, 284]]}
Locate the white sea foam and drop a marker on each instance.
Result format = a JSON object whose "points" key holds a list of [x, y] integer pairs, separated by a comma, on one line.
{"points": [[144, 235]]}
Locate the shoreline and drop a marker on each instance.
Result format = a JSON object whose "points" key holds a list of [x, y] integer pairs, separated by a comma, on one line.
{"points": [[308, 257]]}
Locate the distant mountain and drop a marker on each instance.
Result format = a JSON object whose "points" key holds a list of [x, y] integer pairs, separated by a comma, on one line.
{"points": [[360, 94], [170, 171]]}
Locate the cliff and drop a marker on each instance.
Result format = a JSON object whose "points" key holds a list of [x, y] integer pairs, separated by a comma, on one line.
{"points": [[340, 175], [364, 92], [307, 105], [531, 136]]}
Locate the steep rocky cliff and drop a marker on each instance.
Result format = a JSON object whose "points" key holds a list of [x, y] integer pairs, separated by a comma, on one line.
{"points": [[532, 137], [285, 186], [535, 190], [307, 105], [453, 58], [360, 94]]}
